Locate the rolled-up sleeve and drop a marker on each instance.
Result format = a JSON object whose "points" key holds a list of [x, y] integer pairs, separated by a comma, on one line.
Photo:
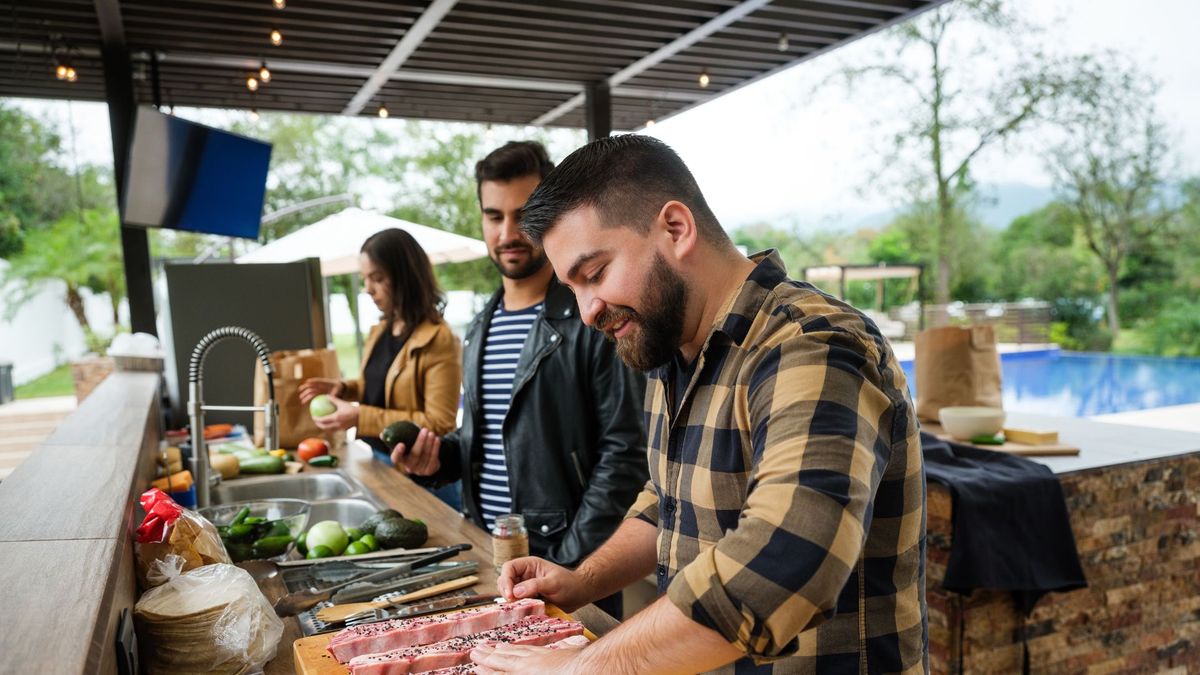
{"points": [[645, 506], [815, 408]]}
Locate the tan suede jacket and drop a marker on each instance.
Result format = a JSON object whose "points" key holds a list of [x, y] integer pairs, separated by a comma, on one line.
{"points": [[421, 386]]}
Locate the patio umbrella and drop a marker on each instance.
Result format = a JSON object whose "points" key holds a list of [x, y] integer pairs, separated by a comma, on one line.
{"points": [[336, 241]]}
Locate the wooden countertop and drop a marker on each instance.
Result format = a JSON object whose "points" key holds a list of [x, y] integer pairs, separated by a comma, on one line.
{"points": [[446, 526]]}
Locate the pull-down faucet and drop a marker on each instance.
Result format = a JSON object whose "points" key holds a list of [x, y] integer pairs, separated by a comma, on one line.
{"points": [[200, 466]]}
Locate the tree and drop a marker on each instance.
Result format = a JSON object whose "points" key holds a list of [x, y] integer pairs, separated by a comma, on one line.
{"points": [[1111, 170], [83, 250], [962, 105]]}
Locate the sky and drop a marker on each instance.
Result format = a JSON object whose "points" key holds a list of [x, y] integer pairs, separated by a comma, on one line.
{"points": [[788, 151]]}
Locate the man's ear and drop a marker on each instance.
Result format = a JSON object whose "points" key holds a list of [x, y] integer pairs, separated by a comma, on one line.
{"points": [[678, 225]]}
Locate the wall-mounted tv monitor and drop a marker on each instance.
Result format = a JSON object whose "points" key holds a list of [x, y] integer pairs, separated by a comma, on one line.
{"points": [[187, 176]]}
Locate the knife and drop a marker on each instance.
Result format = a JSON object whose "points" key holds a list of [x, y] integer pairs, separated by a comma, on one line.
{"points": [[431, 607], [294, 603]]}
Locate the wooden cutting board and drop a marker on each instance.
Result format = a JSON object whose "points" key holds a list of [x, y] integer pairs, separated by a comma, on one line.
{"points": [[1023, 449], [312, 659]]}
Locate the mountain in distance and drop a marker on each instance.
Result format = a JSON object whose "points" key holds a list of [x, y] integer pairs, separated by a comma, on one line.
{"points": [[998, 205]]}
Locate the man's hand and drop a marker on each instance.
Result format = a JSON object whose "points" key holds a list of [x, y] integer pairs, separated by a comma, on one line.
{"points": [[495, 659], [422, 458], [343, 417], [534, 577], [314, 386]]}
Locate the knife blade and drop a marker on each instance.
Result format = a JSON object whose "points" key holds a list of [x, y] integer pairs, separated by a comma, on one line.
{"points": [[442, 605]]}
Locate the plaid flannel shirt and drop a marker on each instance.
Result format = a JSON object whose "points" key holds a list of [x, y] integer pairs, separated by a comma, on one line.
{"points": [[789, 491]]}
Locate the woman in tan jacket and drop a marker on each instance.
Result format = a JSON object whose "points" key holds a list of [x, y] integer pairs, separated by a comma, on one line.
{"points": [[411, 368]]}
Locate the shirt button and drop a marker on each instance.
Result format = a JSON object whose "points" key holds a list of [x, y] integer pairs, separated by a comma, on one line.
{"points": [[669, 506], [466, 342], [566, 312], [545, 529], [662, 571], [554, 338]]}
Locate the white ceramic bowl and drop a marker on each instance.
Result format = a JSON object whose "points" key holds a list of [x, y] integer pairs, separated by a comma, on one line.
{"points": [[967, 422]]}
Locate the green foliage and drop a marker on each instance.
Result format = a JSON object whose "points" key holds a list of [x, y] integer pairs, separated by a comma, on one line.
{"points": [[57, 382], [1175, 330], [83, 250]]}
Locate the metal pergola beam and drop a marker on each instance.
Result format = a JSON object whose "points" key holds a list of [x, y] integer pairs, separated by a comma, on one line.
{"points": [[122, 107], [408, 44], [662, 54]]}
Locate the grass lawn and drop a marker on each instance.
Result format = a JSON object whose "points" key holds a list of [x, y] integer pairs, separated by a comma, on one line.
{"points": [[58, 382]]}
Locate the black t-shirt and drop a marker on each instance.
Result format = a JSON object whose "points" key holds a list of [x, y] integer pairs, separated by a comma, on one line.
{"points": [[375, 377]]}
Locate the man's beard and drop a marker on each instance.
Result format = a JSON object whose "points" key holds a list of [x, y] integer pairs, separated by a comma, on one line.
{"points": [[658, 328], [537, 260]]}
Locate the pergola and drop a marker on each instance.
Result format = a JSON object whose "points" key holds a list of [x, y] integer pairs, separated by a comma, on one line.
{"points": [[594, 64], [866, 272]]}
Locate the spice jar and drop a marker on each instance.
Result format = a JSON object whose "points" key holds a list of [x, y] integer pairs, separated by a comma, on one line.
{"points": [[510, 540]]}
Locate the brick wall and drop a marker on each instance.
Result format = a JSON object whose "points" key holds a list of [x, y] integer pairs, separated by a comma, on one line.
{"points": [[1137, 527]]}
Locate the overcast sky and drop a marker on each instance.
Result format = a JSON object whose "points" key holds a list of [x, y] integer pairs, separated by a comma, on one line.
{"points": [[773, 150]]}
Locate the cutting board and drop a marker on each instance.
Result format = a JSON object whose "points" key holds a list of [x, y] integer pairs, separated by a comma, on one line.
{"points": [[1023, 449], [310, 657]]}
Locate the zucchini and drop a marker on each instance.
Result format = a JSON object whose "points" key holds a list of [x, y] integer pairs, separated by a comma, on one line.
{"points": [[261, 464]]}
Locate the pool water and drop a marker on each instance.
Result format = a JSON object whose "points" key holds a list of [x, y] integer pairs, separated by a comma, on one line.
{"points": [[1075, 384]]}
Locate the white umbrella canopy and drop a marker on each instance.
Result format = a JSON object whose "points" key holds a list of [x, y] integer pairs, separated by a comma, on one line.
{"points": [[337, 239]]}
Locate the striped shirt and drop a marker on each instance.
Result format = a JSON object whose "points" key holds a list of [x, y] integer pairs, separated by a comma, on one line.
{"points": [[788, 489], [501, 351]]}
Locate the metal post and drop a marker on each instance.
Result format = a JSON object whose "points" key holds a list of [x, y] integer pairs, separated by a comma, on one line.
{"points": [[358, 337], [122, 110], [598, 110]]}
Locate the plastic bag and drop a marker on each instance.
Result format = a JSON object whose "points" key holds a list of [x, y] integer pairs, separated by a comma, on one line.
{"points": [[169, 529], [212, 619]]}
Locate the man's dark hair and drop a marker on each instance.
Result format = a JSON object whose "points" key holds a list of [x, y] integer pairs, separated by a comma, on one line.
{"points": [[514, 159], [627, 179]]}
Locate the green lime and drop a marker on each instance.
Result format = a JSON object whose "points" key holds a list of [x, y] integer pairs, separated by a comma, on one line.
{"points": [[300, 545], [354, 533], [356, 548], [368, 540], [319, 551]]}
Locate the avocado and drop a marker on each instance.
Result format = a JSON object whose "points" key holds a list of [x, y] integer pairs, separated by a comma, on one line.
{"points": [[369, 525], [401, 533], [400, 432]]}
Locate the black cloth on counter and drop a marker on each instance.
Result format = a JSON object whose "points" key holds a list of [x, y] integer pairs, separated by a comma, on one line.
{"points": [[1011, 527], [387, 348]]}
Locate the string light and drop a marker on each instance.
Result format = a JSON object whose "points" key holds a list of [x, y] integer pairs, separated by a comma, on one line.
{"points": [[254, 115], [71, 74], [280, 4], [649, 123], [264, 74], [383, 112], [783, 42], [252, 83], [60, 72], [276, 37], [704, 79]]}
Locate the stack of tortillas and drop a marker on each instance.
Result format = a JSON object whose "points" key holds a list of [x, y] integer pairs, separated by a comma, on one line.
{"points": [[210, 620]]}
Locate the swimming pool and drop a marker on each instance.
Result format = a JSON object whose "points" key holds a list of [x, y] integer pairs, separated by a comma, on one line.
{"points": [[1076, 384]]}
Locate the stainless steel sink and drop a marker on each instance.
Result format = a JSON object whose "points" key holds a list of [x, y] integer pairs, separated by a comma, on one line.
{"points": [[306, 486], [350, 512]]}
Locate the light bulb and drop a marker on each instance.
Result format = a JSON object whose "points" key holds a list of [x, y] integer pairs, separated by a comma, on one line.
{"points": [[783, 42], [60, 72], [649, 123], [280, 4], [71, 74], [253, 115], [251, 83], [264, 74], [704, 79], [276, 37], [383, 112]]}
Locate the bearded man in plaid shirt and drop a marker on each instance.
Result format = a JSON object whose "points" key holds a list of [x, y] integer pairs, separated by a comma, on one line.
{"points": [[784, 519]]}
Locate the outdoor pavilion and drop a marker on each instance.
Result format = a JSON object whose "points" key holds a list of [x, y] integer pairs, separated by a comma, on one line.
{"points": [[598, 64]]}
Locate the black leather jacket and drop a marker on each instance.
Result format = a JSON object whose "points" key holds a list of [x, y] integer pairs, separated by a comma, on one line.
{"points": [[574, 436]]}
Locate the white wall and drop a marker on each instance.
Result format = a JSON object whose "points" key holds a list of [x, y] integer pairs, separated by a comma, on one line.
{"points": [[44, 333]]}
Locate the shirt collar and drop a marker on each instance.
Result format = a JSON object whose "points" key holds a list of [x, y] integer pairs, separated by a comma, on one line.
{"points": [[739, 312]]}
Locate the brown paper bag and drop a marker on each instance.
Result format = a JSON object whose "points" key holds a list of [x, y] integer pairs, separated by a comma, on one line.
{"points": [[956, 366], [292, 368]]}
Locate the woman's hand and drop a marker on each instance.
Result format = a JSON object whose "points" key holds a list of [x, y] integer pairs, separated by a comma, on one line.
{"points": [[314, 386], [343, 417]]}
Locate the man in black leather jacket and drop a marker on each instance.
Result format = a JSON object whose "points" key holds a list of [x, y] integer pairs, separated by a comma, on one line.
{"points": [[570, 445]]}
